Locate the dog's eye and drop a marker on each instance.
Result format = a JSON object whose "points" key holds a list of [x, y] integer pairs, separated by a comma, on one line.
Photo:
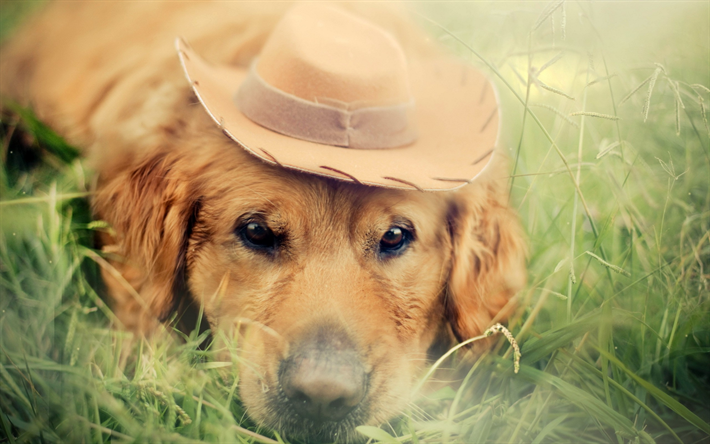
{"points": [[394, 241], [258, 236]]}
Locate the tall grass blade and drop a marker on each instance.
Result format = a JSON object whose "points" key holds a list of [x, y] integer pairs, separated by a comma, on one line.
{"points": [[44, 134], [549, 63], [612, 267], [7, 427], [651, 85], [254, 436], [628, 394], [553, 90], [600, 79], [43, 199], [584, 400], [705, 117], [547, 12], [593, 114], [377, 434], [661, 396], [607, 150], [676, 91], [564, 116], [563, 23], [535, 349], [548, 428], [633, 91]]}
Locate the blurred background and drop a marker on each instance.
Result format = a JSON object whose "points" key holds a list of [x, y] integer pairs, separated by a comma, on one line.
{"points": [[605, 123]]}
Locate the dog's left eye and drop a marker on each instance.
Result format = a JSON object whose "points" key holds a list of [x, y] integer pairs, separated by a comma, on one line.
{"points": [[258, 235], [394, 241]]}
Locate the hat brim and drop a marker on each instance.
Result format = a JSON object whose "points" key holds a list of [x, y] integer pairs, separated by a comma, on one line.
{"points": [[457, 121]]}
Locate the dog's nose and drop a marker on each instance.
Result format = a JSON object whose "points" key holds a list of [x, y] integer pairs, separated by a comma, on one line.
{"points": [[323, 383]]}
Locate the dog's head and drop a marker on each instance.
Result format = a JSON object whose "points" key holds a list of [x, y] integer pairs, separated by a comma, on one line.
{"points": [[336, 291]]}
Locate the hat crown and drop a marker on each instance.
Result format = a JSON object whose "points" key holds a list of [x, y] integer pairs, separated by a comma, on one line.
{"points": [[304, 112], [322, 54]]}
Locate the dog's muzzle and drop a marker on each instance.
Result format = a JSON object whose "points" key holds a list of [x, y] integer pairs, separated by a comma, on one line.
{"points": [[323, 378]]}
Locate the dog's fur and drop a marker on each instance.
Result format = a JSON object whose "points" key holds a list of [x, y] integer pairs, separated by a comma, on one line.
{"points": [[174, 189]]}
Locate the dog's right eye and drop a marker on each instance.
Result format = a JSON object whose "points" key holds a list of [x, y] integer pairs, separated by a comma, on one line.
{"points": [[394, 242], [258, 236]]}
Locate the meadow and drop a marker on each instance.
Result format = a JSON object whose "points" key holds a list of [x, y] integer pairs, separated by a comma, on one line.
{"points": [[605, 121]]}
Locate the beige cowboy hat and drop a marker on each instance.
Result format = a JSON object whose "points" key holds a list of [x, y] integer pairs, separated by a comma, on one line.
{"points": [[332, 94]]}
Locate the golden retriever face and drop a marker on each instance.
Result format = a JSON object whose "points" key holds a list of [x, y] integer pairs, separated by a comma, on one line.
{"points": [[337, 285], [336, 291]]}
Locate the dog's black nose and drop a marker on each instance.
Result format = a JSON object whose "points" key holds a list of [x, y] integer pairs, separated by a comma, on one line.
{"points": [[324, 380]]}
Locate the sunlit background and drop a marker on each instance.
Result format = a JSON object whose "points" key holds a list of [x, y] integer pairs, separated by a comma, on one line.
{"points": [[605, 123]]}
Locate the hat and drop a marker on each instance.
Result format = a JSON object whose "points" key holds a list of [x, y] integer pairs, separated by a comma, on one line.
{"points": [[333, 94]]}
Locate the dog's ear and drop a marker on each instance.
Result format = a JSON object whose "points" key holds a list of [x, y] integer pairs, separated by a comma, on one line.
{"points": [[152, 208], [488, 265]]}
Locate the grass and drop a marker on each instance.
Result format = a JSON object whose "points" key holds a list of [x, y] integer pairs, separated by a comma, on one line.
{"points": [[605, 120]]}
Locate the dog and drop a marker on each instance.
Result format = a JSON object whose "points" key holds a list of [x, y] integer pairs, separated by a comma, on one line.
{"points": [[342, 289]]}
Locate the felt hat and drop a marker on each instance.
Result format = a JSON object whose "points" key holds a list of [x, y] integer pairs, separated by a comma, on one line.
{"points": [[333, 94]]}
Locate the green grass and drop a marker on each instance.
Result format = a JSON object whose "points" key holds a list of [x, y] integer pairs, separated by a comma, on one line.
{"points": [[605, 121]]}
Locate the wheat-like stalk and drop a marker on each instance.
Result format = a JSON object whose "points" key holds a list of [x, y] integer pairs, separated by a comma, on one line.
{"points": [[633, 91], [593, 114], [549, 63], [651, 85], [498, 328], [547, 13], [554, 90], [612, 267], [556, 111]]}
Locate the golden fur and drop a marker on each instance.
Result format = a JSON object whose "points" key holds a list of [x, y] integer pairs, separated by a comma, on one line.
{"points": [[173, 188]]}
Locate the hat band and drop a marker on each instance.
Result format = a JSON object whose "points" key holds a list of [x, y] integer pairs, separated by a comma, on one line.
{"points": [[364, 128]]}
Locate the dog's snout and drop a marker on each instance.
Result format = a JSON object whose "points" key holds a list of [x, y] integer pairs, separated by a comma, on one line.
{"points": [[324, 381], [323, 388]]}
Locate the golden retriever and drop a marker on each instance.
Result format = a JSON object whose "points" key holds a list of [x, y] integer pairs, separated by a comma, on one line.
{"points": [[347, 288]]}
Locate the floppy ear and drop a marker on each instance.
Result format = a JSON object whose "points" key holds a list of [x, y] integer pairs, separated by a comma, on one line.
{"points": [[152, 210], [488, 265]]}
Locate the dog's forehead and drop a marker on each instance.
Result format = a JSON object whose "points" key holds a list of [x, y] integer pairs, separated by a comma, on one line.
{"points": [[286, 196], [240, 180]]}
